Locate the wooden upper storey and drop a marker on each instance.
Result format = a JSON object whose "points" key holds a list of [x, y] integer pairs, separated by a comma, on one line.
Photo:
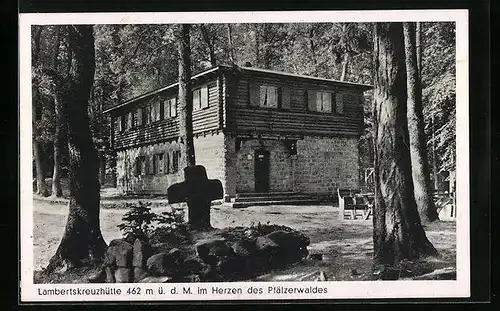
{"points": [[244, 101]]}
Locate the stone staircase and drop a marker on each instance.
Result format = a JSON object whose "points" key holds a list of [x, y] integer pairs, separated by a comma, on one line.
{"points": [[241, 200]]}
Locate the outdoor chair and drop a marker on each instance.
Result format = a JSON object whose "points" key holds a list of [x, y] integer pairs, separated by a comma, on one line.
{"points": [[352, 204]]}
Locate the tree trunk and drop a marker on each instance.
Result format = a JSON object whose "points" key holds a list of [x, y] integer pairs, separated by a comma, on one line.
{"points": [[418, 150], [208, 41], [59, 131], [434, 154], [58, 141], [41, 188], [397, 230], [257, 46], [312, 46], [418, 43], [82, 239], [345, 64], [230, 43], [185, 95]]}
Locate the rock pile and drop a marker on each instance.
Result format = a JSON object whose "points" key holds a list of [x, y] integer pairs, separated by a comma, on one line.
{"points": [[216, 258]]}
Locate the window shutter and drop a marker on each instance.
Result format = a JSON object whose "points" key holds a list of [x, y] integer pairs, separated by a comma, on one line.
{"points": [[136, 167], [155, 164], [285, 97], [138, 117], [254, 94], [119, 123], [327, 97], [173, 111], [166, 162], [146, 165], [311, 100], [204, 96], [339, 104], [161, 103], [151, 162]]}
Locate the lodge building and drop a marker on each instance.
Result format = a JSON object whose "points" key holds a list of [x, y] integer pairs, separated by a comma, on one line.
{"points": [[255, 130]]}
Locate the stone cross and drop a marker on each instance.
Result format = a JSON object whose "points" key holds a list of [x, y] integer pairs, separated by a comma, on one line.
{"points": [[197, 191]]}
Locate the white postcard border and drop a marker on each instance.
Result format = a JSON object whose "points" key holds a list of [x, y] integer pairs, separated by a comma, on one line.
{"points": [[348, 289]]}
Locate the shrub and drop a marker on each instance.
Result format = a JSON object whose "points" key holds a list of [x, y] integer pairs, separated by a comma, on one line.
{"points": [[139, 221]]}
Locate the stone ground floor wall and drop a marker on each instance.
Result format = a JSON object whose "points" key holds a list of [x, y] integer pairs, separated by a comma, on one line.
{"points": [[320, 166], [209, 152], [325, 164], [240, 165]]}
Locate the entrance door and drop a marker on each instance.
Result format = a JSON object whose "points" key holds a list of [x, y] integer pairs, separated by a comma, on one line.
{"points": [[261, 170]]}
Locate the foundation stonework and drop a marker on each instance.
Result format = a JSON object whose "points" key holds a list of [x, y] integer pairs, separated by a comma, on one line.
{"points": [[209, 151], [321, 165]]}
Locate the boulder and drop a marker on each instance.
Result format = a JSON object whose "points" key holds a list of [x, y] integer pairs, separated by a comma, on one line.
{"points": [[244, 248], [118, 254], [177, 255], [110, 276], [215, 248], [282, 247], [256, 264], [98, 277], [156, 279], [231, 266], [265, 243], [123, 275], [142, 251], [193, 265], [289, 240], [192, 278], [162, 264], [139, 274]]}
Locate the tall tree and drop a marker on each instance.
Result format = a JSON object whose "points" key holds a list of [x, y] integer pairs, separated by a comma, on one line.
{"points": [[59, 137], [418, 151], [397, 230], [185, 95], [230, 43], [82, 239], [41, 187], [209, 39]]}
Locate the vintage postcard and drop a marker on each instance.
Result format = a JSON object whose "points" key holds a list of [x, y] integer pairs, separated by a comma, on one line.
{"points": [[244, 155]]}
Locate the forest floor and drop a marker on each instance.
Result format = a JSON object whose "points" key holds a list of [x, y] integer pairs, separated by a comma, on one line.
{"points": [[346, 246]]}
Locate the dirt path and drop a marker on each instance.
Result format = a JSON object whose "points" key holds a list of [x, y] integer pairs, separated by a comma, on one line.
{"points": [[346, 246]]}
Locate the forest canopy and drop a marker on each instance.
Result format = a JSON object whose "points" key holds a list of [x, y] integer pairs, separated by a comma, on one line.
{"points": [[134, 59]]}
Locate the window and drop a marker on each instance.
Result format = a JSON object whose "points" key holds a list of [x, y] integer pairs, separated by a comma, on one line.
{"points": [[158, 164], [320, 101], [291, 146], [139, 117], [155, 111], [170, 108], [140, 165], [130, 121], [200, 98], [146, 116], [268, 96], [175, 161], [324, 102], [120, 123]]}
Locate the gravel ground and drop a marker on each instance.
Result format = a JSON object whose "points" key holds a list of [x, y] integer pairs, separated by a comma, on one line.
{"points": [[346, 246]]}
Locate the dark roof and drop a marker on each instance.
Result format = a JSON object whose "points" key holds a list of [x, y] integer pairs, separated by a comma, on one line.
{"points": [[251, 69]]}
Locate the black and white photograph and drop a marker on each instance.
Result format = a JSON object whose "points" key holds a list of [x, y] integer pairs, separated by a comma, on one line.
{"points": [[238, 155]]}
